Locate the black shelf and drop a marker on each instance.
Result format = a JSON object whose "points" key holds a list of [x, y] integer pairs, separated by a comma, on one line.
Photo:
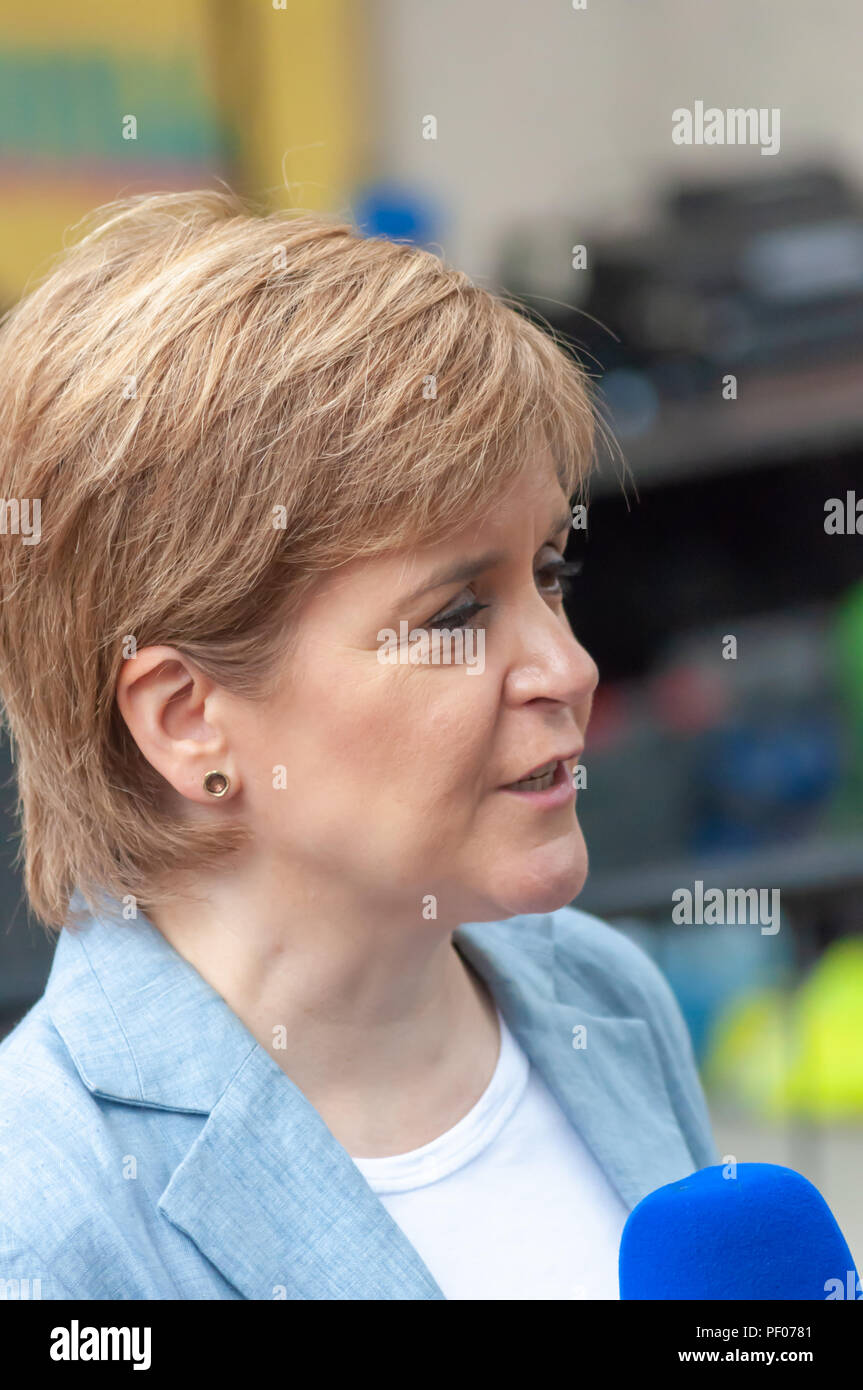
{"points": [[780, 417], [819, 865]]}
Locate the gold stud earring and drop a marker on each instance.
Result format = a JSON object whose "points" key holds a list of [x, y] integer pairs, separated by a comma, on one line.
{"points": [[216, 783]]}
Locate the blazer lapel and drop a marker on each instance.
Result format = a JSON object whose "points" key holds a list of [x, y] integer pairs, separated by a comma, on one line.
{"points": [[276, 1203], [269, 1195], [612, 1090], [266, 1192]]}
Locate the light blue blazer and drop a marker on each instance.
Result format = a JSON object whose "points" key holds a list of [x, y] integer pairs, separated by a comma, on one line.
{"points": [[150, 1148]]}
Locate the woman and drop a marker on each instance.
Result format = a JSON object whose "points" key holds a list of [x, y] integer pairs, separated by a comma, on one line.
{"points": [[320, 1023]]}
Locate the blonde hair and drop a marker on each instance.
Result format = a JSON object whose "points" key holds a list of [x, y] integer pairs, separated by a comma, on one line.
{"points": [[188, 369]]}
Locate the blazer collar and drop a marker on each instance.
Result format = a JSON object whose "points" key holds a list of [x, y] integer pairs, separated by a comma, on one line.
{"points": [[266, 1192]]}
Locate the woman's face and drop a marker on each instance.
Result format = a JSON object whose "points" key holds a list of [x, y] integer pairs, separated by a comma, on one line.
{"points": [[398, 773]]}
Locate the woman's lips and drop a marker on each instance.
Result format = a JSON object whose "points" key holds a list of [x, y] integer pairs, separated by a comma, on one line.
{"points": [[558, 792]]}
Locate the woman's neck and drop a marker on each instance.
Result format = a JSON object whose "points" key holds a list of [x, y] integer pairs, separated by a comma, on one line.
{"points": [[386, 1029]]}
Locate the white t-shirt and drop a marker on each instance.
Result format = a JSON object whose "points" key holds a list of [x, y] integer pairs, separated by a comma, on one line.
{"points": [[509, 1203]]}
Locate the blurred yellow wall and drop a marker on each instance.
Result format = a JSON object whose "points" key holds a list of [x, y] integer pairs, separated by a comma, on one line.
{"points": [[270, 99]]}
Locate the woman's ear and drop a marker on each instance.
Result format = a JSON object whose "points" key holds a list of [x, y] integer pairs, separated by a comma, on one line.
{"points": [[172, 712]]}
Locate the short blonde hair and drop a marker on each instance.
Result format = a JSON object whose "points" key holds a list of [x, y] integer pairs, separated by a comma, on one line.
{"points": [[188, 369]]}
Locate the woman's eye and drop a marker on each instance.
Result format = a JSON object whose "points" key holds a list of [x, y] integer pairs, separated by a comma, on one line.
{"points": [[559, 575], [555, 578], [456, 618]]}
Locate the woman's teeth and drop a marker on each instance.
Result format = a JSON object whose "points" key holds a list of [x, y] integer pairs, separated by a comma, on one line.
{"points": [[540, 780]]}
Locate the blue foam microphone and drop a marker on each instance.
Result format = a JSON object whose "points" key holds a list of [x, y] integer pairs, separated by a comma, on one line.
{"points": [[762, 1232]]}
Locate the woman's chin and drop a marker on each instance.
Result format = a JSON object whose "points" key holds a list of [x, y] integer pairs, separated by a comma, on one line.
{"points": [[545, 880]]}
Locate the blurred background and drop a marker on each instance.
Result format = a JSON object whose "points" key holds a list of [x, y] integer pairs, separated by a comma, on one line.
{"points": [[715, 294]]}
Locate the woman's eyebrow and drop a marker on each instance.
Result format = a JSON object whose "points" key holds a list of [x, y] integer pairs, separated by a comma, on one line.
{"points": [[457, 573], [464, 570]]}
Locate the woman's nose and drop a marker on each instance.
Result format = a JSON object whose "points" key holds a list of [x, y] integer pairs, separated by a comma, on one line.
{"points": [[553, 665]]}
